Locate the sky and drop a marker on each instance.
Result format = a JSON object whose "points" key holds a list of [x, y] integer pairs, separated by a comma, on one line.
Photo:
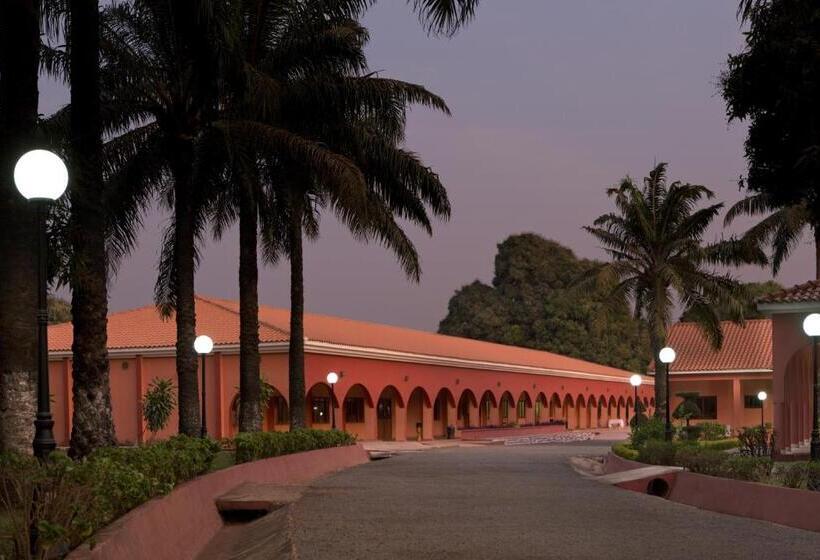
{"points": [[553, 101]]}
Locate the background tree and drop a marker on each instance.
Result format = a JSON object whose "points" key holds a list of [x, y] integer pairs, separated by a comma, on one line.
{"points": [[59, 310], [774, 84], [659, 259], [533, 302], [754, 291], [19, 66], [688, 407]]}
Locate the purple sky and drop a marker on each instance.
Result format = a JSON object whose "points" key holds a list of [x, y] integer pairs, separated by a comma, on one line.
{"points": [[553, 101]]}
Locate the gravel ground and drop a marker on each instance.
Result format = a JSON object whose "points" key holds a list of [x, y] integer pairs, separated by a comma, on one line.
{"points": [[515, 502]]}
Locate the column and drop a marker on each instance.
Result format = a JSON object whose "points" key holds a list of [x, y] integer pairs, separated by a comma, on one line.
{"points": [[139, 375], [219, 384], [399, 422], [426, 422], [737, 404]]}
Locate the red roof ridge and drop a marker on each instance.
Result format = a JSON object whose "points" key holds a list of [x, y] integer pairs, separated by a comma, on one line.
{"points": [[220, 303]]}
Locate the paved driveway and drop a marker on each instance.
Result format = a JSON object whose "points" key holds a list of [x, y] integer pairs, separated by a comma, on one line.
{"points": [[515, 502]]}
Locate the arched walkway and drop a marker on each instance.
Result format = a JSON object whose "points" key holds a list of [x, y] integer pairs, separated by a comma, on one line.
{"points": [[467, 405], [488, 410], [556, 410], [540, 408], [388, 409], [277, 414], [444, 412], [506, 409], [581, 412], [318, 413], [523, 409], [602, 412], [569, 412], [417, 406], [358, 412]]}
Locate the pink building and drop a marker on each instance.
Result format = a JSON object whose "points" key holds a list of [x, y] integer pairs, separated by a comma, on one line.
{"points": [[727, 380], [395, 383]]}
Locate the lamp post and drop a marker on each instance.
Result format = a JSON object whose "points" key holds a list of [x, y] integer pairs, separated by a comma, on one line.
{"points": [[332, 379], [761, 396], [41, 177], [636, 381], [811, 326], [667, 356], [203, 346]]}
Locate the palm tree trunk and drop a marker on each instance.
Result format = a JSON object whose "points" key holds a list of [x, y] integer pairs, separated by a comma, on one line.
{"points": [[184, 265], [250, 418], [296, 349], [19, 62], [93, 425]]}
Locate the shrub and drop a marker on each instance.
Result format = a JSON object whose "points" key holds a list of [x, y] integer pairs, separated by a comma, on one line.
{"points": [[158, 403], [658, 452], [792, 475], [756, 442], [753, 469], [712, 431], [690, 433], [720, 444], [260, 445], [701, 461], [813, 476], [652, 429], [625, 451]]}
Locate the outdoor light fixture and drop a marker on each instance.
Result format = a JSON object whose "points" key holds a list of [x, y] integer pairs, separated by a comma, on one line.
{"points": [[667, 356], [41, 177], [635, 380], [203, 344], [761, 396], [811, 326], [332, 379]]}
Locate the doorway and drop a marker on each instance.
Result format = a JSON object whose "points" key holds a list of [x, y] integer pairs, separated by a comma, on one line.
{"points": [[384, 413]]}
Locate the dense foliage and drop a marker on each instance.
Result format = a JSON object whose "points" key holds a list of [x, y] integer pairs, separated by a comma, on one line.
{"points": [[261, 445], [533, 302], [158, 403], [753, 291]]}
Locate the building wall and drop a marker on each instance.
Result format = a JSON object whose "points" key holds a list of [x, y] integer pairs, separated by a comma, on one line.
{"points": [[730, 392], [359, 377]]}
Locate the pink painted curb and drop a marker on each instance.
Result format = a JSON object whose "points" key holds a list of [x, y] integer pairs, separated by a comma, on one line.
{"points": [[179, 525], [786, 506]]}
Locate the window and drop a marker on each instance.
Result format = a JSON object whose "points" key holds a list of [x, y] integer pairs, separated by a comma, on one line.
{"points": [[751, 401], [708, 408], [354, 410], [281, 407], [522, 408], [320, 410]]}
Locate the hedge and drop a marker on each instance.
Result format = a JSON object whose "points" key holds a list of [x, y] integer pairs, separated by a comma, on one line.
{"points": [[625, 451], [261, 445]]}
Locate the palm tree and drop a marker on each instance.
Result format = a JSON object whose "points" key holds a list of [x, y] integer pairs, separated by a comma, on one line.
{"points": [[781, 228], [659, 258], [19, 65], [92, 424]]}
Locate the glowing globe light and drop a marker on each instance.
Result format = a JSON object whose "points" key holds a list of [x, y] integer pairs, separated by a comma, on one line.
{"points": [[811, 324], [762, 396], [635, 380], [332, 377], [40, 175], [203, 344], [666, 355]]}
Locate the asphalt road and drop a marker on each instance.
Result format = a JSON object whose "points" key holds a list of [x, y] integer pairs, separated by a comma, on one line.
{"points": [[515, 503]]}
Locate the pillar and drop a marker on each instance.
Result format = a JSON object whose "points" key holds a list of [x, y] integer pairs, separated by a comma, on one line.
{"points": [[371, 427], [426, 422], [737, 404], [139, 374], [399, 422], [219, 383]]}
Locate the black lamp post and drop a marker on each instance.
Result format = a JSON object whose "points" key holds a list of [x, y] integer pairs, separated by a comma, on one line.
{"points": [[41, 177], [332, 379], [667, 356], [811, 326], [761, 396], [636, 381], [203, 346]]}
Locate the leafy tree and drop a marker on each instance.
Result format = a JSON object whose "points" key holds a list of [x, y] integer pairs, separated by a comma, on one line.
{"points": [[157, 404], [754, 291], [774, 84], [534, 302], [59, 310], [688, 407], [655, 238]]}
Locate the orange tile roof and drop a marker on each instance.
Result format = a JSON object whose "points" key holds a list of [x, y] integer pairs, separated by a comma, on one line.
{"points": [[219, 318], [802, 293], [745, 348]]}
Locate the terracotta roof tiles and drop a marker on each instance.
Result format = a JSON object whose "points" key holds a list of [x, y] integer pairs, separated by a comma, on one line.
{"points": [[802, 293], [745, 348]]}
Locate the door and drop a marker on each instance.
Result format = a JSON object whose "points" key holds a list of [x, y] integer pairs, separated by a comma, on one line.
{"points": [[385, 419]]}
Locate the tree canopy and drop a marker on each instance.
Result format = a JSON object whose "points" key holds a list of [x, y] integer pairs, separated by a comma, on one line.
{"points": [[754, 290], [533, 302]]}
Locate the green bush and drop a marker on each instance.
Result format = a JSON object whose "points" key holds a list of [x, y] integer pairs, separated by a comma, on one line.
{"points": [[690, 433], [261, 445], [658, 452], [157, 404], [625, 451], [77, 498], [712, 431], [701, 461], [753, 469], [756, 442], [720, 444], [652, 429], [813, 476], [792, 475]]}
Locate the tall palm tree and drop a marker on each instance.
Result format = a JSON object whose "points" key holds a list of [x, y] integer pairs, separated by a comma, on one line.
{"points": [[19, 65], [659, 258], [92, 424], [781, 228]]}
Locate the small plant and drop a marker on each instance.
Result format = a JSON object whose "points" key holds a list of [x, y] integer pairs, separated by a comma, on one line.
{"points": [[652, 428], [752, 469], [688, 408], [701, 461], [158, 403], [793, 475], [756, 442], [712, 431], [658, 452]]}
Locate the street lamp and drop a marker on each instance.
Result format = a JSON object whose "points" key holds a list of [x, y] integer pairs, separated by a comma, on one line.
{"points": [[811, 326], [332, 379], [203, 346], [667, 356], [635, 380], [761, 396], [41, 177]]}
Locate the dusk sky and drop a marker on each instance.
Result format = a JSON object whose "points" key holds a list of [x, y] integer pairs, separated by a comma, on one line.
{"points": [[553, 101]]}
